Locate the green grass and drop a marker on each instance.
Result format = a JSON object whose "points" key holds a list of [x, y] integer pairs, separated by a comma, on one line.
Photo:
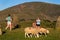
{"points": [[18, 34]]}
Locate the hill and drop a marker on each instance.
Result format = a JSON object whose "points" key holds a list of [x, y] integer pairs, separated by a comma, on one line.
{"points": [[32, 10]]}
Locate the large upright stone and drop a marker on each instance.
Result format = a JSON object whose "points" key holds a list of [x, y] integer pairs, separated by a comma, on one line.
{"points": [[0, 30], [58, 23]]}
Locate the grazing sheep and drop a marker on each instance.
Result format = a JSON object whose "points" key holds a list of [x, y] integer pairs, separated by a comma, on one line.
{"points": [[43, 31], [29, 31]]}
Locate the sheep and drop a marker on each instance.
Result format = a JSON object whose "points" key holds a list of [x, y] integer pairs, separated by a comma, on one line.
{"points": [[43, 31], [29, 31]]}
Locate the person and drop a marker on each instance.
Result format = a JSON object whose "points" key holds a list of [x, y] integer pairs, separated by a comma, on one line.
{"points": [[38, 22], [34, 24], [9, 22]]}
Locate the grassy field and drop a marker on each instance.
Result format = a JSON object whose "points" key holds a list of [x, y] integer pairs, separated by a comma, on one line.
{"points": [[18, 34]]}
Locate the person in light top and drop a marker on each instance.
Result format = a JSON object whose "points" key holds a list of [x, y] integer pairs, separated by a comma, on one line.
{"points": [[9, 22], [37, 22]]}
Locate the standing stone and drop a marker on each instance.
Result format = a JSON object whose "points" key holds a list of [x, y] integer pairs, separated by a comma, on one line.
{"points": [[0, 30], [58, 23]]}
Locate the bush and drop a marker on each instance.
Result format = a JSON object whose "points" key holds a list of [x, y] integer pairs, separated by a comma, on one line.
{"points": [[47, 23]]}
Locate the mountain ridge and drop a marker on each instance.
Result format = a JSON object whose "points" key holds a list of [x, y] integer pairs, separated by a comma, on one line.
{"points": [[32, 10]]}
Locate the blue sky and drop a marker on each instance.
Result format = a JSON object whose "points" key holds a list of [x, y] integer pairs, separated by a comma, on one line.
{"points": [[9, 3]]}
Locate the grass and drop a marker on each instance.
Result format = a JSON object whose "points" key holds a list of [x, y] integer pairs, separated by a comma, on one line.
{"points": [[18, 34]]}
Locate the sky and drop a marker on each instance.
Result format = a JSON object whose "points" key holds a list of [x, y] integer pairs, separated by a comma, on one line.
{"points": [[9, 3]]}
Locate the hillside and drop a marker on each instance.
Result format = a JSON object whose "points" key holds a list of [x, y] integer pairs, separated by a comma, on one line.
{"points": [[32, 10]]}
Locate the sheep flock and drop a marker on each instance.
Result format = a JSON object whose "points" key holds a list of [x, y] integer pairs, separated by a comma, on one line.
{"points": [[31, 31]]}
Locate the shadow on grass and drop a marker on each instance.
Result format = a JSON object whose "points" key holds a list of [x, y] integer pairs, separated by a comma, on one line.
{"points": [[3, 32], [17, 26]]}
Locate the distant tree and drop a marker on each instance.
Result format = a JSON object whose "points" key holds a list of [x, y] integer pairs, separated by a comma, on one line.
{"points": [[22, 19]]}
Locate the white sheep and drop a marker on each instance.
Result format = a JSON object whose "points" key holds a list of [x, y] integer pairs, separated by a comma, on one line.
{"points": [[29, 31], [43, 30]]}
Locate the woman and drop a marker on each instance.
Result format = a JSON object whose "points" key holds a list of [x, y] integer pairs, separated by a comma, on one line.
{"points": [[9, 22], [37, 22]]}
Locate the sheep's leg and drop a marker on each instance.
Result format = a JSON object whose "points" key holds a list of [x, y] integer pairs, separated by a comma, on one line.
{"points": [[34, 35], [37, 35], [40, 33], [28, 35], [25, 35], [45, 34]]}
